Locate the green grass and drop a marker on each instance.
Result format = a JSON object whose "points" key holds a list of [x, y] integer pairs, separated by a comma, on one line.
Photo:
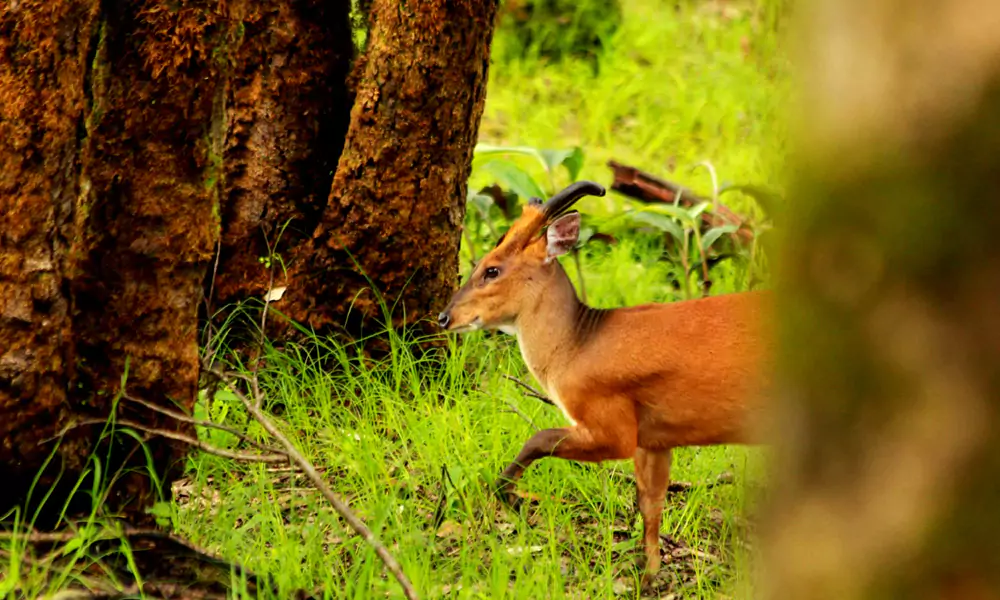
{"points": [[683, 82], [411, 444], [403, 441]]}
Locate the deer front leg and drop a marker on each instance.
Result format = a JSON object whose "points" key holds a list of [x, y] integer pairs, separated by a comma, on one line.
{"points": [[652, 476], [571, 443]]}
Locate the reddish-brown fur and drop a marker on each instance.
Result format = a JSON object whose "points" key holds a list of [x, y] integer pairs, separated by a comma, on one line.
{"points": [[634, 382]]}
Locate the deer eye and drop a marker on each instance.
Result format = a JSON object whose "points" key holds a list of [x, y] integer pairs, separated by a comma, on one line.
{"points": [[491, 273]]}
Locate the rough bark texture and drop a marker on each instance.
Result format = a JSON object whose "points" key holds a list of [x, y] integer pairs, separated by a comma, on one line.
{"points": [[43, 64], [398, 197], [148, 216], [133, 131], [887, 480], [116, 156], [288, 109]]}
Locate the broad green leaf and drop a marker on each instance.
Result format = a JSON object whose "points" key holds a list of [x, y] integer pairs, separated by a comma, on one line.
{"points": [[574, 163], [481, 201], [554, 158], [457, 476], [226, 396], [515, 179], [161, 511], [661, 222], [670, 210], [714, 234], [572, 159], [487, 150], [585, 234], [695, 211]]}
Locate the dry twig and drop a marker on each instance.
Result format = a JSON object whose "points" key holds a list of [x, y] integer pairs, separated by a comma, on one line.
{"points": [[517, 411], [180, 437], [253, 406], [179, 416], [530, 391]]}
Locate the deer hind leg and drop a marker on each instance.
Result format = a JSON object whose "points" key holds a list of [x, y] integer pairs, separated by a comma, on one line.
{"points": [[652, 476], [569, 443]]}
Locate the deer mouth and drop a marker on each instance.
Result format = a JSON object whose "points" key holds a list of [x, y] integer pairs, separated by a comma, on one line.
{"points": [[472, 325]]}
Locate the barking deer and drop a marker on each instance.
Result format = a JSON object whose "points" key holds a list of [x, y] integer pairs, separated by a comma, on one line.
{"points": [[632, 382]]}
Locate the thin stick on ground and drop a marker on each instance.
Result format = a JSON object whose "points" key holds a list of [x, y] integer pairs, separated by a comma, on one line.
{"points": [[517, 411], [180, 437], [253, 407], [530, 391], [179, 416]]}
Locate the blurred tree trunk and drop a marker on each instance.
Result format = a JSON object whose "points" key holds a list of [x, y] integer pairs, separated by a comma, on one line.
{"points": [[398, 196], [887, 482]]}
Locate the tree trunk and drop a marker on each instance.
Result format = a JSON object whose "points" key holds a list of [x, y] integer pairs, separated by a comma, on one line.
{"points": [[43, 64], [116, 142], [147, 219], [133, 131], [888, 469], [288, 108], [398, 198]]}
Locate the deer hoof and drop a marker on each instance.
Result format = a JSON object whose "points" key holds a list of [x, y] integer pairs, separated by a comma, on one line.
{"points": [[504, 490]]}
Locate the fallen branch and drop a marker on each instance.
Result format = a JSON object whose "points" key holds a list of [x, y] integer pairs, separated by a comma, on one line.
{"points": [[517, 411], [644, 187], [180, 437], [179, 416], [530, 391], [253, 407], [680, 486], [157, 557]]}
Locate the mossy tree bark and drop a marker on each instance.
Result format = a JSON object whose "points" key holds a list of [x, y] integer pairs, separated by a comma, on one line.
{"points": [[398, 197], [887, 476], [152, 151], [287, 110], [120, 214], [43, 64], [128, 130]]}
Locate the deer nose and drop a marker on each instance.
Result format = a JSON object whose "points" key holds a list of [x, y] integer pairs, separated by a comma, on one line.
{"points": [[443, 319]]}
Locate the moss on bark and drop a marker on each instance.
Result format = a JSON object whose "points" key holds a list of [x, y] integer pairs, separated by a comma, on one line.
{"points": [[398, 198]]}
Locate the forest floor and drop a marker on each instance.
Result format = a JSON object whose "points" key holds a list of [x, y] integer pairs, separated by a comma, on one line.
{"points": [[413, 444], [681, 83]]}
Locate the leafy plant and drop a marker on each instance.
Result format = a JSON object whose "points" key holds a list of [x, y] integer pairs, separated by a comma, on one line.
{"points": [[520, 180], [493, 203], [695, 246], [689, 247], [491, 209]]}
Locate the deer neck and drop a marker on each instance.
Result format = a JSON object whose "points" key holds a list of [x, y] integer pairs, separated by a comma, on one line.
{"points": [[547, 330]]}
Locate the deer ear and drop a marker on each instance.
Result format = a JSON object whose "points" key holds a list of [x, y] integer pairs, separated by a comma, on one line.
{"points": [[561, 235]]}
